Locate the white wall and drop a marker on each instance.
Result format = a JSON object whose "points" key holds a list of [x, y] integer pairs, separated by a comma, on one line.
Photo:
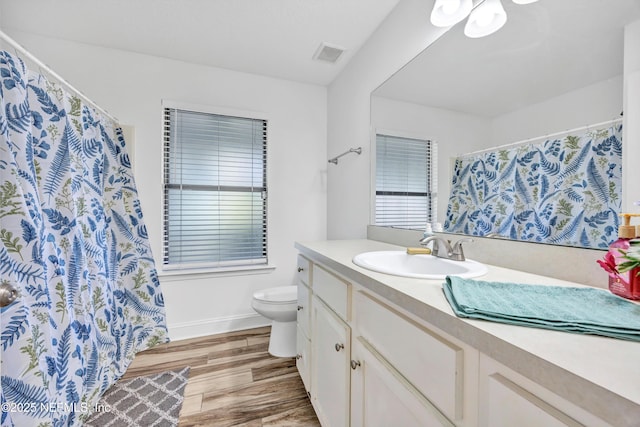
{"points": [[593, 104], [403, 35], [455, 133], [130, 86]]}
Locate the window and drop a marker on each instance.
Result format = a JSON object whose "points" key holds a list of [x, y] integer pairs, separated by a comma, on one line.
{"points": [[405, 182], [215, 190]]}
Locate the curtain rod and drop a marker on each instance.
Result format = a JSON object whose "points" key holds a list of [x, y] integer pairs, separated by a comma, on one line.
{"points": [[524, 141], [53, 74], [351, 150]]}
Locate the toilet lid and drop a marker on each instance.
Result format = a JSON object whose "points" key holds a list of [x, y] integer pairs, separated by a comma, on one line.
{"points": [[282, 294]]}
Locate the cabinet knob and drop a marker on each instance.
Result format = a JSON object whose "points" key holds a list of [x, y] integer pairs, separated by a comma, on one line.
{"points": [[339, 346], [300, 269], [354, 364], [300, 307]]}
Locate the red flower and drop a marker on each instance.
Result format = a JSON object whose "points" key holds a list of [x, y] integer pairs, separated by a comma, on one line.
{"points": [[609, 264]]}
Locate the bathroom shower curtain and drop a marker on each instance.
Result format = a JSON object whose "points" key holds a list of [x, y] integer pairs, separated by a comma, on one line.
{"points": [[74, 244], [564, 191]]}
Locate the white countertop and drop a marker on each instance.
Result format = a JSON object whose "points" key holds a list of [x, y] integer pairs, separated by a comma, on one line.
{"points": [[599, 374]]}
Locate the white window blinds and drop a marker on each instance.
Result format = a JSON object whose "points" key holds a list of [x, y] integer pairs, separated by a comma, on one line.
{"points": [[406, 182], [215, 190]]}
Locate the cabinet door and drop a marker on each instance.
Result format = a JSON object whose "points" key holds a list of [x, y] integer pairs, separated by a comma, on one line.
{"points": [[303, 358], [304, 302], [380, 396], [433, 364], [331, 343]]}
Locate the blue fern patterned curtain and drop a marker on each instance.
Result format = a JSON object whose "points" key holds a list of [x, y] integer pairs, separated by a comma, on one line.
{"points": [[74, 244], [564, 191]]}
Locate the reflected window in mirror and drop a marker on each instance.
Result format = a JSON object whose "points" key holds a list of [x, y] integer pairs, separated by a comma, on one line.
{"points": [[405, 182]]}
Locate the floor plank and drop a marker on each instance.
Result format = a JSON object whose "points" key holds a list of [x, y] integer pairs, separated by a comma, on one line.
{"points": [[233, 381]]}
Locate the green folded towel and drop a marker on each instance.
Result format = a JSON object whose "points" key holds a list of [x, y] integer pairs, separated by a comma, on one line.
{"points": [[570, 309]]}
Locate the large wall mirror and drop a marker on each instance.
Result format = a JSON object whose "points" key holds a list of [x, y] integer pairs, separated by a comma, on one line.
{"points": [[555, 70]]}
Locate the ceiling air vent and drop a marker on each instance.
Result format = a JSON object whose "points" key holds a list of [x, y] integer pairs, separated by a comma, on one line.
{"points": [[328, 53]]}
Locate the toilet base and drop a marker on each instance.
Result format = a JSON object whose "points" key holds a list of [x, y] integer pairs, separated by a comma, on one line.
{"points": [[282, 342]]}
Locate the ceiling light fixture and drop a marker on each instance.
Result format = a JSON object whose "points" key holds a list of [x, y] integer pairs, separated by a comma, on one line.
{"points": [[487, 17]]}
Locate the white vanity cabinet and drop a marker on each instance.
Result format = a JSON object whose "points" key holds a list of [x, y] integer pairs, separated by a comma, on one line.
{"points": [[408, 360], [372, 365], [508, 399], [303, 342]]}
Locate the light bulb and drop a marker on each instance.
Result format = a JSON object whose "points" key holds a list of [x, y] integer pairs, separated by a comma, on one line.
{"points": [[450, 7], [485, 19], [449, 12]]}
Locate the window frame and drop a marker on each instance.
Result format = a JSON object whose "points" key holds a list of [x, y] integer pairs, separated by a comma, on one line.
{"points": [[214, 267], [433, 193]]}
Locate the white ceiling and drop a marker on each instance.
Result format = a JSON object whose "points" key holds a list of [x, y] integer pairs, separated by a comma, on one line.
{"points": [[545, 49], [275, 38]]}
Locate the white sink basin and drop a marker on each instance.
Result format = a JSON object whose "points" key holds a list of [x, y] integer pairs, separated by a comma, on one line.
{"points": [[399, 263]]}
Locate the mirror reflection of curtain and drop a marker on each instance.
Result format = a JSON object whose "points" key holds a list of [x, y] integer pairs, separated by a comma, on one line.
{"points": [[564, 191]]}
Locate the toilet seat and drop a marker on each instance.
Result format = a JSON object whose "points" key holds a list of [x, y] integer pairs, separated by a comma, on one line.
{"points": [[279, 295]]}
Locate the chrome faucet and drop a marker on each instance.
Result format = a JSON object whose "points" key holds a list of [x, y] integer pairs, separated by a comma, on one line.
{"points": [[437, 243], [458, 253], [454, 252]]}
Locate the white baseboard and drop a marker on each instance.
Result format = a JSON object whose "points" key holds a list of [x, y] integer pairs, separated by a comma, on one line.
{"points": [[218, 325]]}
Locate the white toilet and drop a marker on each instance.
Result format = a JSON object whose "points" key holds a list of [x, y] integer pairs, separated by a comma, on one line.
{"points": [[280, 305]]}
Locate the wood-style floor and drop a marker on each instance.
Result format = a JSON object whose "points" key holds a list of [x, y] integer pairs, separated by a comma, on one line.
{"points": [[233, 381]]}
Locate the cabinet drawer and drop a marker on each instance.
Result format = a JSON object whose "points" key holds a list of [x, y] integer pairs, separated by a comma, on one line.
{"points": [[304, 270], [334, 291], [431, 363], [304, 308]]}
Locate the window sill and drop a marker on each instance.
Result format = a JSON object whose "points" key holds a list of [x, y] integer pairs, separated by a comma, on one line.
{"points": [[240, 270]]}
